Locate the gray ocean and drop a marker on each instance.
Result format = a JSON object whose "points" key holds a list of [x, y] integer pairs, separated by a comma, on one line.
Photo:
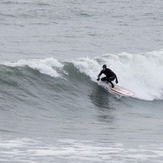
{"points": [[52, 108]]}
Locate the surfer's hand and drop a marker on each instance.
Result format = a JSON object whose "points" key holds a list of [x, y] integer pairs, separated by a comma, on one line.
{"points": [[98, 79], [116, 81]]}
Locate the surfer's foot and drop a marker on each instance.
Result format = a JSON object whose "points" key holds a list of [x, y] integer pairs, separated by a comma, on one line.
{"points": [[112, 85]]}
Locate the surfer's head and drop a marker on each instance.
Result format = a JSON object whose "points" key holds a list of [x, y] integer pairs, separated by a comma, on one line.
{"points": [[104, 67]]}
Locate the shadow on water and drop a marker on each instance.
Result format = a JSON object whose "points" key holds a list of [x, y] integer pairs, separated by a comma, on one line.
{"points": [[103, 101], [101, 97]]}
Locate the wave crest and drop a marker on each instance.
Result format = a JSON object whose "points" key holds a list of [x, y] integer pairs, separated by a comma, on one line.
{"points": [[46, 66]]}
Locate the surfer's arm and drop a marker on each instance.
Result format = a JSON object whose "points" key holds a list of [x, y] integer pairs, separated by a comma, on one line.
{"points": [[116, 79], [98, 78]]}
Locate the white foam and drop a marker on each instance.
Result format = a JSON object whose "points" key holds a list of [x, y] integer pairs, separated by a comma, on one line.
{"points": [[78, 151], [140, 73], [45, 66], [88, 66]]}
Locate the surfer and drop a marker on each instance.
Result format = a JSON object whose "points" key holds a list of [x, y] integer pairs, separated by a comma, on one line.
{"points": [[110, 76]]}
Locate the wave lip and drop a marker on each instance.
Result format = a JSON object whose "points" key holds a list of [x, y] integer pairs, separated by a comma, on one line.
{"points": [[46, 66]]}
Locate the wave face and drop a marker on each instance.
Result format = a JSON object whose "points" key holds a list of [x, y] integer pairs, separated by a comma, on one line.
{"points": [[140, 73]]}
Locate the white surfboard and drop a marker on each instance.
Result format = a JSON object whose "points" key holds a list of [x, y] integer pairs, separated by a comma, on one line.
{"points": [[121, 91]]}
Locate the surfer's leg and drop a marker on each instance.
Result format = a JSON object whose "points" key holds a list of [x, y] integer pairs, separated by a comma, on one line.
{"points": [[110, 81], [104, 79], [112, 85]]}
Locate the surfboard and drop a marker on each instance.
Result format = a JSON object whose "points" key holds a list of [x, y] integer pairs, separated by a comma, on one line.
{"points": [[121, 91]]}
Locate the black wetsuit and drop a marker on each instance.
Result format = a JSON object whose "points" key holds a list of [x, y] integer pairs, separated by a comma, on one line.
{"points": [[110, 76]]}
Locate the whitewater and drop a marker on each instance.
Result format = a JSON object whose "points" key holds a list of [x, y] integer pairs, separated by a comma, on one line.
{"points": [[53, 109]]}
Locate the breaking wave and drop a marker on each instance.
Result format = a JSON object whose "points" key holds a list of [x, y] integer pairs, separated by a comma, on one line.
{"points": [[140, 73]]}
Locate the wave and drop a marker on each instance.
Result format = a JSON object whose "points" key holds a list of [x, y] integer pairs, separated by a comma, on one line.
{"points": [[140, 73]]}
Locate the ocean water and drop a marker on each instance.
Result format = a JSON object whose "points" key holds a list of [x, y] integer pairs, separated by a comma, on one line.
{"points": [[52, 108]]}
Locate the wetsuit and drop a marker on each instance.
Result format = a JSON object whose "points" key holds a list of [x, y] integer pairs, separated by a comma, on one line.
{"points": [[110, 76]]}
